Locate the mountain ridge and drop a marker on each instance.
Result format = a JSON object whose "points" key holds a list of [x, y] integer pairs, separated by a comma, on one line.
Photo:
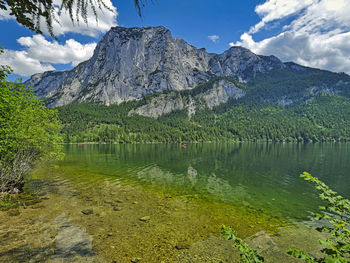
{"points": [[130, 63]]}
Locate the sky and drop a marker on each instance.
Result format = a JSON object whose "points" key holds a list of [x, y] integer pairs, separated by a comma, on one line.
{"points": [[314, 33]]}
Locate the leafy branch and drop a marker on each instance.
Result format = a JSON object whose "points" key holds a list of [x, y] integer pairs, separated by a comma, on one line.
{"points": [[335, 218], [248, 255]]}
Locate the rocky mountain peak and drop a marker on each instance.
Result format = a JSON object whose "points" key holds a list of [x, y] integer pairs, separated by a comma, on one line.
{"points": [[130, 63]]}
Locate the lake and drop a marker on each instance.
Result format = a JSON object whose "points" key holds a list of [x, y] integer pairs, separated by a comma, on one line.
{"points": [[166, 202]]}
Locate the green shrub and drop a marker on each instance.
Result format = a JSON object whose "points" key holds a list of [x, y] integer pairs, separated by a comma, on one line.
{"points": [[335, 218], [29, 132], [248, 255]]}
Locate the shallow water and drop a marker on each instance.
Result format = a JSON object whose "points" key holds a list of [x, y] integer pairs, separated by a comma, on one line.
{"points": [[265, 176], [165, 203]]}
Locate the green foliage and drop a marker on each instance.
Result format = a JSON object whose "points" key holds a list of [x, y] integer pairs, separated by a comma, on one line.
{"points": [[4, 70], [100, 123], [29, 132], [325, 118], [335, 219], [248, 255], [29, 13], [301, 255], [294, 84], [7, 202]]}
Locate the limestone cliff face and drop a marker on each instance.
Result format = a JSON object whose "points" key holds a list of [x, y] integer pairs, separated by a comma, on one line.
{"points": [[160, 105], [220, 92], [129, 63]]}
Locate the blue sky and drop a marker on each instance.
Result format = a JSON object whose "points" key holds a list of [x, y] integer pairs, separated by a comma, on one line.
{"points": [[314, 33]]}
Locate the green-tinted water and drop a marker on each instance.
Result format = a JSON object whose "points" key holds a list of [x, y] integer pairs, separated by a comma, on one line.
{"points": [[165, 203], [264, 176]]}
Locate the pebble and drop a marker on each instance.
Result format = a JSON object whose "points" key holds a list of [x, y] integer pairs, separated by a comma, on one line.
{"points": [[87, 211], [38, 207], [145, 218], [117, 208], [182, 245]]}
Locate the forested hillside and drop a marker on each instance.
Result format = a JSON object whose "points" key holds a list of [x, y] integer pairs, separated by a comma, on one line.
{"points": [[325, 118]]}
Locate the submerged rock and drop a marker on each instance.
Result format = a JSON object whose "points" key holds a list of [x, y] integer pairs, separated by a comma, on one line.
{"points": [[87, 211], [145, 218], [73, 243], [262, 241], [182, 245]]}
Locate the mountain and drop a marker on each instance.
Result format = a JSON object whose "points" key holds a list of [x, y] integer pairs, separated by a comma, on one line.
{"points": [[129, 63], [143, 85]]}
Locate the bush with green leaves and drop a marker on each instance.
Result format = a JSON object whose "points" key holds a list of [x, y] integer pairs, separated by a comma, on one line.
{"points": [[248, 255], [29, 132], [335, 220]]}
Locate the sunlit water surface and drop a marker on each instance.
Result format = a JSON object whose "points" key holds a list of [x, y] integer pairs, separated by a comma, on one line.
{"points": [[165, 203]]}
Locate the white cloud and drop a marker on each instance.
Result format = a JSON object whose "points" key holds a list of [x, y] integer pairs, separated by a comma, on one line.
{"points": [[39, 53], [63, 24], [273, 10], [318, 35], [52, 52], [214, 38], [22, 64]]}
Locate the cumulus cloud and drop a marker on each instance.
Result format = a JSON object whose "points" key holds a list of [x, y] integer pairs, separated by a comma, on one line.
{"points": [[63, 24], [52, 52], [273, 10], [40, 53], [22, 64], [214, 38], [318, 35]]}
